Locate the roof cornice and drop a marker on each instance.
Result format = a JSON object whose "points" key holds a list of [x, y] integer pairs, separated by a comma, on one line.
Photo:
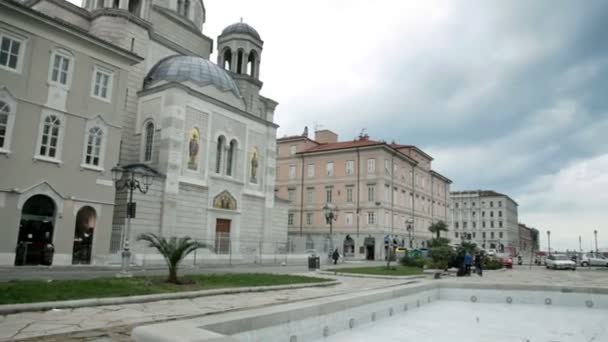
{"points": [[440, 176], [63, 4], [207, 98], [71, 29]]}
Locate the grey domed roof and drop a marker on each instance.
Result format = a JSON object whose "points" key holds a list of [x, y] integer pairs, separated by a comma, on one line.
{"points": [[241, 28], [198, 70]]}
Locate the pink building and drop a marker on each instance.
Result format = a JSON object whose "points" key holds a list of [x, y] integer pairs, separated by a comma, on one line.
{"points": [[380, 190]]}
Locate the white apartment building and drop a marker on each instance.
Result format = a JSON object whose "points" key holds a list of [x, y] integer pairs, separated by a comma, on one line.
{"points": [[485, 217]]}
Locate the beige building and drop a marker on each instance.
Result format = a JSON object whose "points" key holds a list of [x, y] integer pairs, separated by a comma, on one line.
{"points": [[485, 217], [62, 95], [379, 190]]}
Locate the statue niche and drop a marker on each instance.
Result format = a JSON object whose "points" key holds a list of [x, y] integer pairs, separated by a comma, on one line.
{"points": [[193, 149], [224, 201]]}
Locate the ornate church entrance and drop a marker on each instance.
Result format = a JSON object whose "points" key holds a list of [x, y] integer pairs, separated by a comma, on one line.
{"points": [[35, 240], [222, 236], [86, 220]]}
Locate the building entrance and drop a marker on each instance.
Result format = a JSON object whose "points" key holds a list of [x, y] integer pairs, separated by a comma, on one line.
{"points": [[370, 246], [222, 236], [86, 220], [35, 240]]}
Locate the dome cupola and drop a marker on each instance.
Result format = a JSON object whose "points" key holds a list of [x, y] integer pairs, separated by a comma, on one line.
{"points": [[197, 70], [240, 50]]}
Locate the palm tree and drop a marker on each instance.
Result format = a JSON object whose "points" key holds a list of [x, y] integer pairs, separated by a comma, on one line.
{"points": [[438, 227], [174, 250]]}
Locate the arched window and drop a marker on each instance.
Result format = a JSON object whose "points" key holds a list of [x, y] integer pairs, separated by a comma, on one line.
{"points": [[218, 156], [239, 61], [230, 161], [227, 64], [149, 141], [135, 6], [93, 148], [251, 63], [5, 125], [183, 7], [50, 136]]}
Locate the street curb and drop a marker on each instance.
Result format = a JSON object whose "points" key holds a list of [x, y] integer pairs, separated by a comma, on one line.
{"points": [[356, 275], [79, 303]]}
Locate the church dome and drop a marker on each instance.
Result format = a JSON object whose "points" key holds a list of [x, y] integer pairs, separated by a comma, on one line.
{"points": [[241, 28], [197, 70]]}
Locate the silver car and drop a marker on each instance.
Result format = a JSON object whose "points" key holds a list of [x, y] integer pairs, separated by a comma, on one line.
{"points": [[560, 262], [590, 259]]}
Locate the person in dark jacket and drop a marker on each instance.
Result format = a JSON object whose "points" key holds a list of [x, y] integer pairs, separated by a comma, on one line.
{"points": [[335, 256], [479, 264], [468, 261]]}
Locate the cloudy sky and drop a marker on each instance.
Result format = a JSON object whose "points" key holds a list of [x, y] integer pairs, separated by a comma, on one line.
{"points": [[505, 95]]}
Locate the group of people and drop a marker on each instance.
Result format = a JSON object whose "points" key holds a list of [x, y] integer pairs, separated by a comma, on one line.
{"points": [[470, 260]]}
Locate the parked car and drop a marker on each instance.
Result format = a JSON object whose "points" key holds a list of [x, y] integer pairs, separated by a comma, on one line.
{"points": [[491, 252], [590, 259], [507, 261], [559, 261]]}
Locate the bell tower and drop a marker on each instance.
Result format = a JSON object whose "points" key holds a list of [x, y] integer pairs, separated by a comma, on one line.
{"points": [[240, 52]]}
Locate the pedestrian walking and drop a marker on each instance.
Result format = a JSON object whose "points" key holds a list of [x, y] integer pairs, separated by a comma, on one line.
{"points": [[468, 260], [335, 256], [479, 264]]}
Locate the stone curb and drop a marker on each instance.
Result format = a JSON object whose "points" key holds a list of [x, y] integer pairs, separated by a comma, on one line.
{"points": [[374, 276], [79, 303]]}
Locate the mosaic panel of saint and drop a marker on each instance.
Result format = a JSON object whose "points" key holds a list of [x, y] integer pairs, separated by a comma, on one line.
{"points": [[254, 165], [193, 149]]}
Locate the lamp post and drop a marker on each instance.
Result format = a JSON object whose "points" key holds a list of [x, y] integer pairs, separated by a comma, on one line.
{"points": [[409, 232], [596, 250], [331, 214], [133, 180], [549, 241]]}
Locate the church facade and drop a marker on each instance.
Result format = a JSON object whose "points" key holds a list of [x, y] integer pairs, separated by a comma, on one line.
{"points": [[201, 127]]}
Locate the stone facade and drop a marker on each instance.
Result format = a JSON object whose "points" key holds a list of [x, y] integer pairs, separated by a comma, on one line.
{"points": [[53, 163], [207, 130], [379, 189], [487, 218]]}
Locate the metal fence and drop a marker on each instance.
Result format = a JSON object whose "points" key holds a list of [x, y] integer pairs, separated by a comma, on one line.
{"points": [[226, 251]]}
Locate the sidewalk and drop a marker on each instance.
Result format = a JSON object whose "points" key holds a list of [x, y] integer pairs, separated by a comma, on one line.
{"points": [[115, 322]]}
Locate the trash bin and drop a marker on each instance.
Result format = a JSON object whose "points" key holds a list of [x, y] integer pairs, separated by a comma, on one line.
{"points": [[49, 251], [314, 263]]}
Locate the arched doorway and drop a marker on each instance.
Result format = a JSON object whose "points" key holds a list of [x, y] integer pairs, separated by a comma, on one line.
{"points": [[349, 246], [35, 240], [370, 247], [86, 221]]}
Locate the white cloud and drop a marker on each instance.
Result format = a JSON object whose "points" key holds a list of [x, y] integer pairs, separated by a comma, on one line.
{"points": [[569, 203]]}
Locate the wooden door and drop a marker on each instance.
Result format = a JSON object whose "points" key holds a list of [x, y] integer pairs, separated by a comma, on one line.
{"points": [[222, 236]]}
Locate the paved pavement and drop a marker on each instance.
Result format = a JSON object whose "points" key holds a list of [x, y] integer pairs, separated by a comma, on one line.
{"points": [[115, 322]]}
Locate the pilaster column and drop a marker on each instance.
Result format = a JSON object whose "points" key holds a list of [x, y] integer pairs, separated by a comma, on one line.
{"points": [[123, 4], [234, 62]]}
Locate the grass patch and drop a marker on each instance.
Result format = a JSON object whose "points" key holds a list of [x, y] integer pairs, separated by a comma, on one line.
{"points": [[15, 292], [381, 270]]}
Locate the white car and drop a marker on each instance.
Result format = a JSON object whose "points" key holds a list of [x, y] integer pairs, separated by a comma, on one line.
{"points": [[590, 259], [557, 261], [491, 252]]}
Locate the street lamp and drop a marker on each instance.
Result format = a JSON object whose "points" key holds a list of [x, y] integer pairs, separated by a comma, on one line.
{"points": [[133, 179], [596, 250], [331, 213], [549, 241], [409, 231]]}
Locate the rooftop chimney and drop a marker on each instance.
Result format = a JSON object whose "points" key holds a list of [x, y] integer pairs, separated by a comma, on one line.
{"points": [[326, 136]]}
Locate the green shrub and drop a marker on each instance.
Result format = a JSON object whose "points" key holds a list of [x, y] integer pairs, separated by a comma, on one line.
{"points": [[441, 256], [412, 261], [492, 264]]}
